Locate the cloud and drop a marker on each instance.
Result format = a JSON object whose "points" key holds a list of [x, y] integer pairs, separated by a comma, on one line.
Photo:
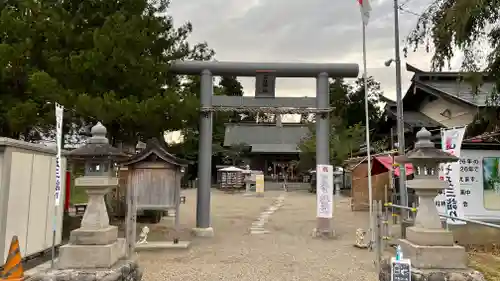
{"points": [[298, 30]]}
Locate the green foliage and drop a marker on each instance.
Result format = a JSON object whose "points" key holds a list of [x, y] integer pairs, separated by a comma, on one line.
{"points": [[450, 25], [349, 102], [236, 154], [105, 60], [343, 141], [472, 27], [191, 88], [346, 132]]}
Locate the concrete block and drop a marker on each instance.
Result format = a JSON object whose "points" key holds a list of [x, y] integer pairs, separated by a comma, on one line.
{"points": [[434, 257], [317, 233], [429, 237], [103, 236], [203, 232], [162, 245], [259, 232], [90, 256]]}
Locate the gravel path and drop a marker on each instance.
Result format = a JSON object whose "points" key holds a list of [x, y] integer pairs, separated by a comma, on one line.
{"points": [[288, 252]]}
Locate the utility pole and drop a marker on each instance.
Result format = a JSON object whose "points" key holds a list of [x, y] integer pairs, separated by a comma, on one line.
{"points": [[400, 124]]}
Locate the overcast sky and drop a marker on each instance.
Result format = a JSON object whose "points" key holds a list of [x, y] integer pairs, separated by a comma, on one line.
{"points": [[302, 30]]}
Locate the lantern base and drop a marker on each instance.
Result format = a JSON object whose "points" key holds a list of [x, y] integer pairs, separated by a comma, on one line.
{"points": [[418, 274], [104, 236], [430, 257], [91, 256], [429, 237]]}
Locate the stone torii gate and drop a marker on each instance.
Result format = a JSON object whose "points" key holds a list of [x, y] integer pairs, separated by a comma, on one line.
{"points": [[264, 101]]}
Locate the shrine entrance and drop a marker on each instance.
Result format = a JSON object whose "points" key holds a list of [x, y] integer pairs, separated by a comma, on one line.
{"points": [[263, 102]]}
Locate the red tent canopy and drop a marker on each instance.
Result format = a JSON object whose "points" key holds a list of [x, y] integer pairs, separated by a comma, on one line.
{"points": [[386, 161]]}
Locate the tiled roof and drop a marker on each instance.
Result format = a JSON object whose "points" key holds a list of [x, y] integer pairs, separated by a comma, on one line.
{"points": [[416, 119], [463, 91], [266, 137]]}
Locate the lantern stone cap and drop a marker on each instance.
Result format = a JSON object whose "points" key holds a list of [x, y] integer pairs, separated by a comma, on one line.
{"points": [[155, 150], [426, 151], [97, 146]]}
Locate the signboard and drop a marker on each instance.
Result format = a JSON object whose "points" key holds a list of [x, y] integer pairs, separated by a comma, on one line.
{"points": [[259, 183], [265, 84], [59, 131], [400, 270], [451, 142], [478, 176], [324, 191]]}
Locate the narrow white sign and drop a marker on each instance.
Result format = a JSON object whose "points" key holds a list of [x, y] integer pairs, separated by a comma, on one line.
{"points": [[451, 142], [59, 123], [324, 191]]}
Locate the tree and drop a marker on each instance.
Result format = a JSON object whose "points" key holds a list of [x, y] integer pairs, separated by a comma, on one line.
{"points": [[342, 142], [450, 25], [105, 60], [231, 86], [473, 28], [348, 101], [236, 154], [347, 133]]}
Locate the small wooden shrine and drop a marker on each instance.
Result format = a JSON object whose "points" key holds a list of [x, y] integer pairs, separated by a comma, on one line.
{"points": [[154, 181], [231, 179]]}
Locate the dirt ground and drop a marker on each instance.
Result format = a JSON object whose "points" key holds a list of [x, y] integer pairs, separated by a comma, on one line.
{"points": [[288, 252]]}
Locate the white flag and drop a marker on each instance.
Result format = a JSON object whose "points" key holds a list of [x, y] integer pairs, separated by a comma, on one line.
{"points": [[365, 10]]}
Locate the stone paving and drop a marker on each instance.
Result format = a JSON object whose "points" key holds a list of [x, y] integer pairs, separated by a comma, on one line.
{"points": [[258, 225], [287, 252]]}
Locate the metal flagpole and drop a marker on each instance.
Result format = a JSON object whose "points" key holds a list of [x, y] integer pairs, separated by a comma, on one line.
{"points": [[400, 124], [367, 128]]}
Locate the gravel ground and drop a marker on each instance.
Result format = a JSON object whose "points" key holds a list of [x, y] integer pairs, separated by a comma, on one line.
{"points": [[288, 252]]}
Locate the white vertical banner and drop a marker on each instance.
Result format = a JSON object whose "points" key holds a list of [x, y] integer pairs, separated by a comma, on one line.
{"points": [[59, 123], [451, 142], [324, 191]]}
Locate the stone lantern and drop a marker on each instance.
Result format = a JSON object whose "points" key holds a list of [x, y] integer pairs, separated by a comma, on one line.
{"points": [[430, 248], [95, 244]]}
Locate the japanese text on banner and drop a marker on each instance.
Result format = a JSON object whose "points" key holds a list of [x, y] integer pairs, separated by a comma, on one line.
{"points": [[451, 142], [470, 173], [324, 191], [59, 122]]}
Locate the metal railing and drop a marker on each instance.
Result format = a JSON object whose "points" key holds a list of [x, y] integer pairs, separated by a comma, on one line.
{"points": [[382, 229]]}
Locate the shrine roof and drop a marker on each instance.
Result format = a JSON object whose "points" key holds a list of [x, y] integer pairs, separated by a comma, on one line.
{"points": [[266, 138], [159, 149]]}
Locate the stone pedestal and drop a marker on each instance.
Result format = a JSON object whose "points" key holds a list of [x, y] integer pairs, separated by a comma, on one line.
{"points": [[95, 244], [323, 229], [203, 232], [124, 270], [418, 274], [432, 257]]}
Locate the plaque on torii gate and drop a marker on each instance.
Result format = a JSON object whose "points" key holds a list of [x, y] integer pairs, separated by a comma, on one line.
{"points": [[265, 84]]}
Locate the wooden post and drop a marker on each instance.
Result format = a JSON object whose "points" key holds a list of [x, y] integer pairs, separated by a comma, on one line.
{"points": [[378, 234], [177, 208], [131, 226]]}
